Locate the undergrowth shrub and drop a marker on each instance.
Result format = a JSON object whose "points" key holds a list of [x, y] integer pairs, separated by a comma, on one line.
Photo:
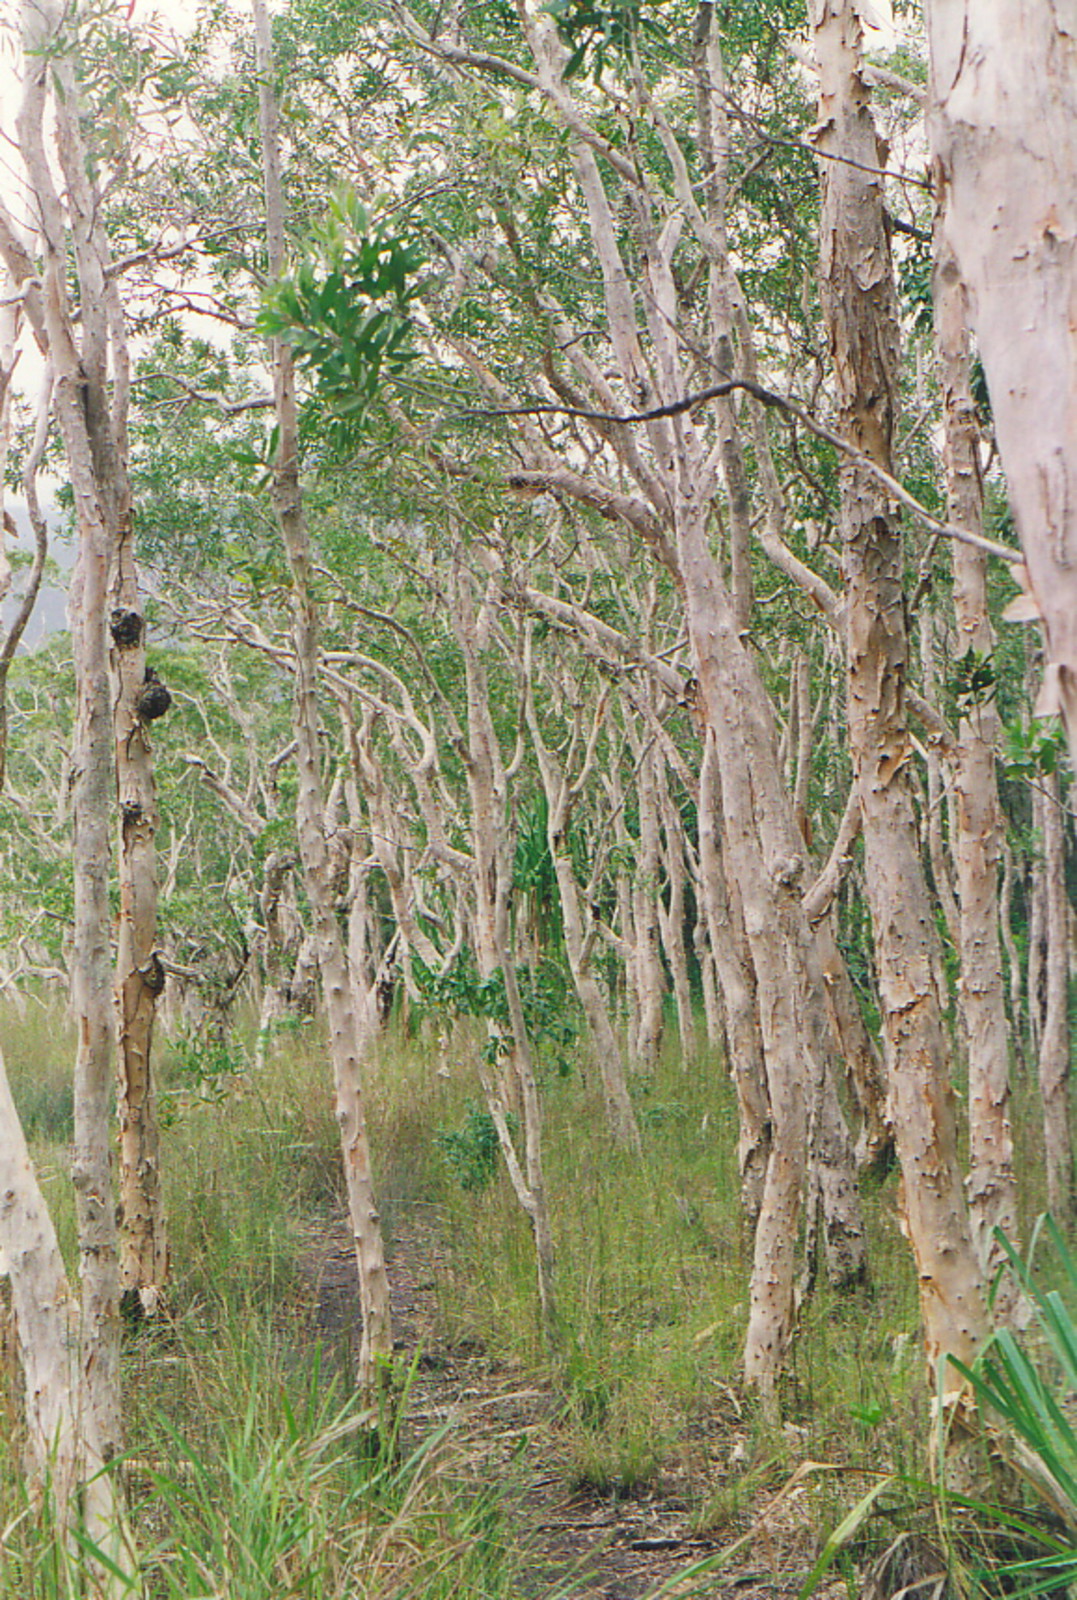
{"points": [[471, 1152]]}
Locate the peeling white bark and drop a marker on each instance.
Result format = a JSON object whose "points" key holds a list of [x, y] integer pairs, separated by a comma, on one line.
{"points": [[991, 1181], [856, 282], [1005, 141]]}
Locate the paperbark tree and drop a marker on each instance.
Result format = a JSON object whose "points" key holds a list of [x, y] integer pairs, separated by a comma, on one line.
{"points": [[69, 1455], [668, 456], [856, 281], [672, 917], [137, 698], [736, 979], [646, 949], [94, 338], [1005, 143], [80, 348], [376, 1348], [991, 1182]]}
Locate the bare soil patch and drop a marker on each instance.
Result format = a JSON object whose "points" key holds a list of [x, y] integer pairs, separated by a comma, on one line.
{"points": [[504, 1427]]}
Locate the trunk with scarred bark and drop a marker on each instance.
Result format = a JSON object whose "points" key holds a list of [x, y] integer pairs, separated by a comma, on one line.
{"points": [[991, 1182], [136, 702], [856, 281]]}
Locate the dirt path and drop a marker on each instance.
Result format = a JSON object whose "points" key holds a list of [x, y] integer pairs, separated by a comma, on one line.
{"points": [[506, 1430]]}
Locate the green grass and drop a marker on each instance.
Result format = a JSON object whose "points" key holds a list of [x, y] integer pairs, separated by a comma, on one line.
{"points": [[242, 1442]]}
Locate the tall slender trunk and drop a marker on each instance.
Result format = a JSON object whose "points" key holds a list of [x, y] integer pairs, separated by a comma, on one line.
{"points": [[941, 870], [1036, 964], [1054, 1058], [671, 918], [90, 357], [864, 1070], [651, 976], [277, 950], [708, 975], [991, 1182], [625, 920], [137, 700], [858, 303], [736, 978], [376, 1348], [1016, 990]]}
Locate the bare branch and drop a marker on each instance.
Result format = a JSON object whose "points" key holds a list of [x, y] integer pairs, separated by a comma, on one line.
{"points": [[768, 397]]}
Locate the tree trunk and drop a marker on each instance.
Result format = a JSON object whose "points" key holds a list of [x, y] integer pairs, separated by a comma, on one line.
{"points": [[1005, 142], [736, 979], [864, 1070], [84, 414], [1036, 966], [278, 951], [1054, 1056], [651, 977], [991, 1182], [671, 919], [140, 977], [708, 976], [858, 304], [68, 1456], [376, 1350]]}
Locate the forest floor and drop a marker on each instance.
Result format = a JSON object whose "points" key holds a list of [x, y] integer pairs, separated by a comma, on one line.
{"points": [[503, 1427]]}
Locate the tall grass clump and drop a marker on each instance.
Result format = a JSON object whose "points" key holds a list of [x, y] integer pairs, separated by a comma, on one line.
{"points": [[1016, 1535], [284, 1499], [1026, 1388]]}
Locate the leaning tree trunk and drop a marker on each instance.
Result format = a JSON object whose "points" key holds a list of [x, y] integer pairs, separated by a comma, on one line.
{"points": [[736, 980], [858, 305], [377, 1340], [645, 892], [991, 1183], [671, 919], [62, 1447], [1054, 1057], [1005, 141]]}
